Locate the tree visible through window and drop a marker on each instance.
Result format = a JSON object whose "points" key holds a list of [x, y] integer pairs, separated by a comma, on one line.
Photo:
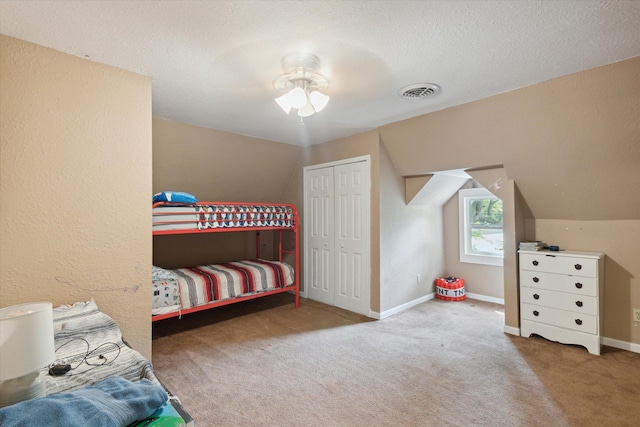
{"points": [[481, 237], [485, 222]]}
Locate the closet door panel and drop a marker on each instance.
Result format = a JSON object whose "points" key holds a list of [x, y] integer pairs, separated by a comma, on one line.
{"points": [[337, 229], [320, 188], [350, 245]]}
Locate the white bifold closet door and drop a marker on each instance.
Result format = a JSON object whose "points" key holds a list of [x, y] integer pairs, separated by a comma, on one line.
{"points": [[337, 261]]}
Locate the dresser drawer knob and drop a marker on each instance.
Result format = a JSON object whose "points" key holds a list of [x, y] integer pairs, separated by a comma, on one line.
{"points": [[579, 303], [535, 262], [578, 322], [536, 296], [535, 312], [578, 267], [579, 285], [536, 280]]}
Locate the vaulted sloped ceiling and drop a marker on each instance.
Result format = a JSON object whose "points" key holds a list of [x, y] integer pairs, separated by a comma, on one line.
{"points": [[571, 144]]}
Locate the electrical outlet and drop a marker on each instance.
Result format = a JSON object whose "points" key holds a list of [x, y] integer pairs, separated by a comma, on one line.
{"points": [[636, 314], [418, 279]]}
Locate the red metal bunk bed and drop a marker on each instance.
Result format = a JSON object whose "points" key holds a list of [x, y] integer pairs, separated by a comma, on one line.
{"points": [[224, 217]]}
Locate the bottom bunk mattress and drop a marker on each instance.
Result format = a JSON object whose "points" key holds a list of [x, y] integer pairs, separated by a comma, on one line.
{"points": [[183, 288]]}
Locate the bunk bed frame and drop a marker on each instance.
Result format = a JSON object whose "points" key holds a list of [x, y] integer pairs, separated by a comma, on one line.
{"points": [[225, 217]]}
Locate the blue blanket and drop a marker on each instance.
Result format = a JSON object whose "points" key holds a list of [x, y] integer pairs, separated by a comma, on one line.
{"points": [[113, 402]]}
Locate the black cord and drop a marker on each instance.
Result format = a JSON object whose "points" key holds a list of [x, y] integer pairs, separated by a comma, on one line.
{"points": [[101, 356], [88, 354]]}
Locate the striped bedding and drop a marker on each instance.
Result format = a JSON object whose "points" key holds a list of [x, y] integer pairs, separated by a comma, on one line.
{"points": [[203, 217], [217, 282], [82, 333]]}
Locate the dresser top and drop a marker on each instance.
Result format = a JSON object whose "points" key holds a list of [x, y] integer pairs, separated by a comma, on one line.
{"points": [[563, 252]]}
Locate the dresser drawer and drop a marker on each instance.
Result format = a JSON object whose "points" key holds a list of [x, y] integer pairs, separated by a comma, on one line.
{"points": [[558, 282], [544, 261], [562, 318], [560, 300]]}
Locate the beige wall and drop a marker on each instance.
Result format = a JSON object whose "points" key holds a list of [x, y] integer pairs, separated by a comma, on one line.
{"points": [[215, 165], [570, 146], [75, 185], [411, 242]]}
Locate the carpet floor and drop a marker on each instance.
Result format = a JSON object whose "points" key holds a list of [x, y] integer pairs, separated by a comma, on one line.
{"points": [[264, 363]]}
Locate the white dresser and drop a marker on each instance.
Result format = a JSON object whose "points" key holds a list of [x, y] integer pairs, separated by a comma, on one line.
{"points": [[561, 296]]}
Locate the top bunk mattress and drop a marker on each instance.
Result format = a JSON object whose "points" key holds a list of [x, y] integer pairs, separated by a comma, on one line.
{"points": [[208, 216]]}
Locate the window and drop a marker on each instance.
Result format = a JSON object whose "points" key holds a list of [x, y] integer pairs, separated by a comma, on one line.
{"points": [[481, 238]]}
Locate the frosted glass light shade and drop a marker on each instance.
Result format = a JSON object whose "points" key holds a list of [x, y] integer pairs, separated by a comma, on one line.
{"points": [[307, 110], [284, 102], [26, 339], [319, 100], [297, 97]]}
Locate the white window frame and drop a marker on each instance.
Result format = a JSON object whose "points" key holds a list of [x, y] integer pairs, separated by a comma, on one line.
{"points": [[464, 196]]}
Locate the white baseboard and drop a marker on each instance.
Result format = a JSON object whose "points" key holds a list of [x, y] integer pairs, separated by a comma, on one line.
{"points": [[485, 298], [511, 330], [407, 305], [623, 345], [402, 307]]}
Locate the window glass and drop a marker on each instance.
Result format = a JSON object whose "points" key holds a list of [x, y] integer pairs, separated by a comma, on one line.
{"points": [[481, 237]]}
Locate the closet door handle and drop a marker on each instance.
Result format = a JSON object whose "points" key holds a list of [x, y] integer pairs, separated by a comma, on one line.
{"points": [[536, 296], [578, 322], [536, 280], [535, 262], [578, 285], [579, 303], [578, 267], [535, 312]]}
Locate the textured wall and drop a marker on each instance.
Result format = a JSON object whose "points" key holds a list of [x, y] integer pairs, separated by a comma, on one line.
{"points": [[411, 242], [75, 185], [217, 166], [571, 144], [571, 147]]}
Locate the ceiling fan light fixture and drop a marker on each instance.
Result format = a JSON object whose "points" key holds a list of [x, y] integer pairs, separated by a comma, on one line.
{"points": [[284, 102], [306, 110], [319, 100], [298, 97], [304, 86]]}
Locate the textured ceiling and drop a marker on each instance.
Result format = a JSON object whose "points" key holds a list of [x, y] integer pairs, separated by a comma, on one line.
{"points": [[213, 62]]}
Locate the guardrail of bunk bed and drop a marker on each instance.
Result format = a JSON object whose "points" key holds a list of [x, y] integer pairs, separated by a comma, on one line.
{"points": [[218, 216]]}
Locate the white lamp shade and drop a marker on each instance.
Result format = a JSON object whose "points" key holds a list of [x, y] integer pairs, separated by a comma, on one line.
{"points": [[297, 97], [284, 102], [26, 339], [307, 110], [319, 100]]}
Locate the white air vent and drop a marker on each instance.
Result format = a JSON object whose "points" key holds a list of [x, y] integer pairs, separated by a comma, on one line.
{"points": [[419, 91]]}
